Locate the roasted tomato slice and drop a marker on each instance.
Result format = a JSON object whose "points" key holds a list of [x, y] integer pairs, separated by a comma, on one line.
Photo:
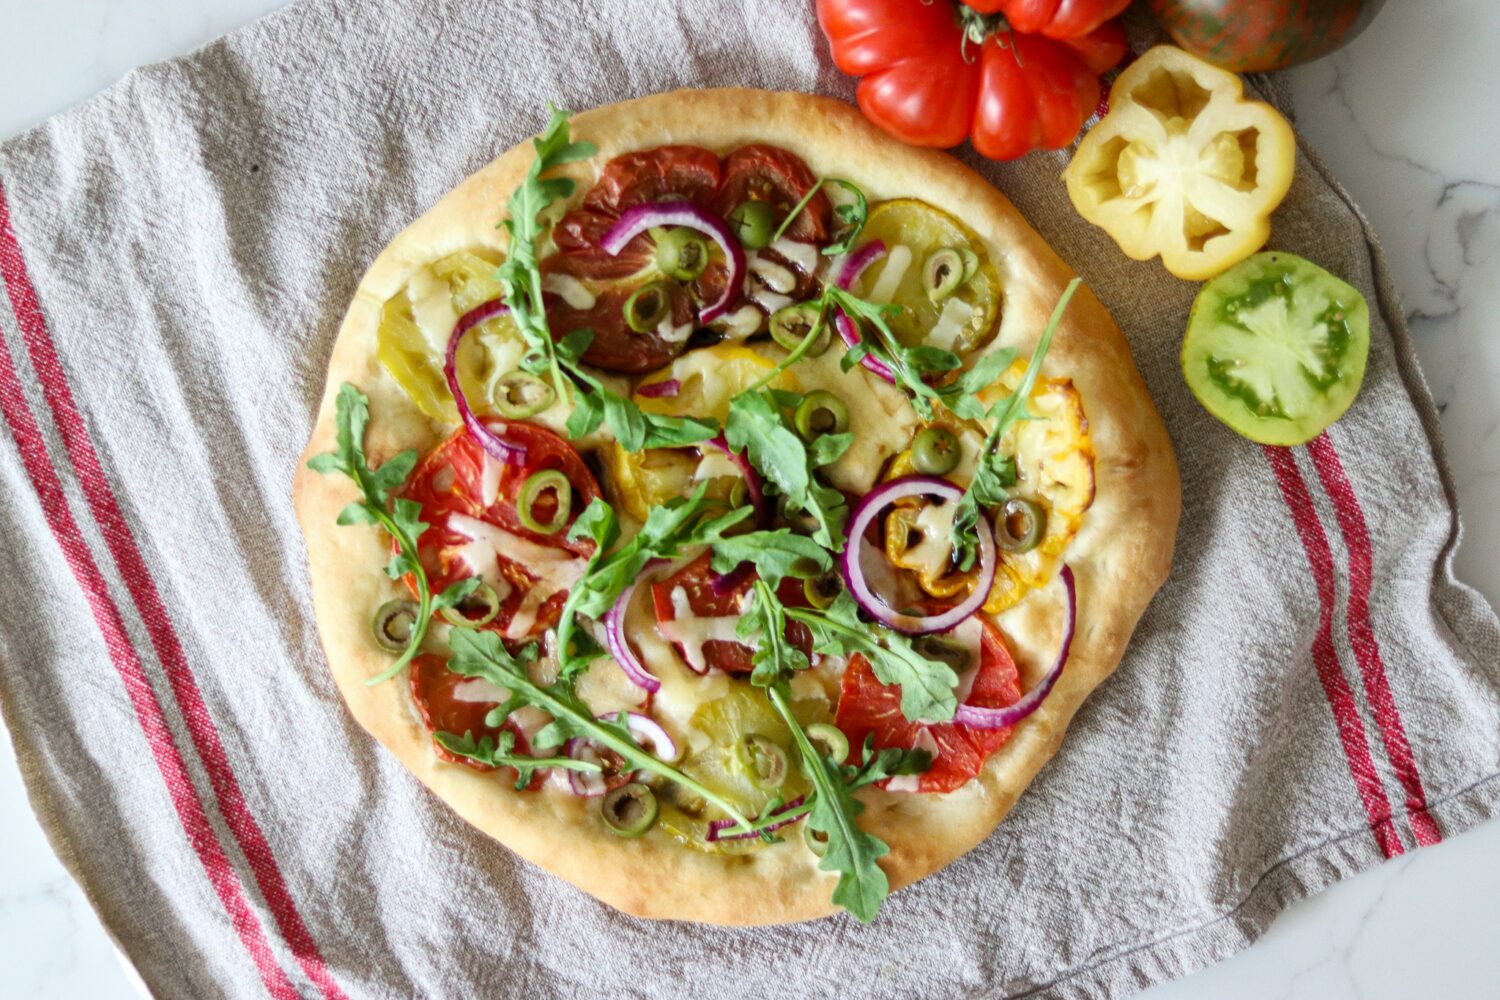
{"points": [[449, 703], [771, 174], [713, 644], [666, 173], [465, 494], [867, 707]]}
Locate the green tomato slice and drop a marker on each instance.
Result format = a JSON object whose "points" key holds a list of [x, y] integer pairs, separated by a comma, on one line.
{"points": [[1276, 348]]}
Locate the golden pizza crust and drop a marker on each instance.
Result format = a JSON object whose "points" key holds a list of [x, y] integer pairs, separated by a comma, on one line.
{"points": [[1120, 557]]}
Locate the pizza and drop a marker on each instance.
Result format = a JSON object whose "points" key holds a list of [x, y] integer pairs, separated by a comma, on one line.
{"points": [[726, 507]]}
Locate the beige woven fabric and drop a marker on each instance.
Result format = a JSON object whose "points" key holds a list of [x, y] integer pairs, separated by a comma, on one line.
{"points": [[1310, 693]]}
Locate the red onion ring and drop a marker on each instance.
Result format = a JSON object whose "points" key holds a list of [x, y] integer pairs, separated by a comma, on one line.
{"points": [[495, 446], [848, 273], [725, 583], [864, 514], [999, 718], [585, 783], [714, 826], [634, 221], [619, 645], [666, 388]]}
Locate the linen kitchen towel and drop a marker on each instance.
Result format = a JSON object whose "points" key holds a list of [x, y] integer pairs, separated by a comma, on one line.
{"points": [[1311, 693]]}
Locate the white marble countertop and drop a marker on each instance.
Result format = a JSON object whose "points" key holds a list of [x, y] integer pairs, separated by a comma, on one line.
{"points": [[1404, 117]]}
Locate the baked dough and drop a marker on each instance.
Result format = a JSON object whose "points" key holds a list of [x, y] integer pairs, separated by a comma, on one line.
{"points": [[1120, 556]]}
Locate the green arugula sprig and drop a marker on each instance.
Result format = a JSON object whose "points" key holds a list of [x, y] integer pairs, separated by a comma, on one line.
{"points": [[852, 214], [669, 530], [831, 808], [401, 518], [520, 279], [482, 654], [994, 473], [492, 751], [758, 426]]}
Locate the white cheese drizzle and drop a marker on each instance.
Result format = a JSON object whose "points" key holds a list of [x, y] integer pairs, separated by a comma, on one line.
{"points": [[691, 632], [896, 264], [955, 316], [912, 782], [554, 569], [572, 291]]}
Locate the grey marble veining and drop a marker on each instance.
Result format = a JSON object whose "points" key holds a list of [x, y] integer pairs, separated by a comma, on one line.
{"points": [[1404, 118]]}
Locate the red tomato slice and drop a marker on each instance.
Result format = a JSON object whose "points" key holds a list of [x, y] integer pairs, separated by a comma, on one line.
{"points": [[771, 174], [867, 707], [666, 173], [433, 688], [696, 581], [450, 480]]}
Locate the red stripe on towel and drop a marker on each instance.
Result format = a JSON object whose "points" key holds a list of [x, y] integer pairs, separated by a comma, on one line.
{"points": [[1340, 698], [121, 542], [1351, 518]]}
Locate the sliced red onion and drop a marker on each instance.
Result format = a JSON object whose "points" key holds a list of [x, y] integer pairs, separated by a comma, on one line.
{"points": [[652, 737], [999, 718], [494, 445], [634, 221], [585, 783], [726, 583], [660, 390], [714, 826], [848, 273], [864, 514], [619, 645]]}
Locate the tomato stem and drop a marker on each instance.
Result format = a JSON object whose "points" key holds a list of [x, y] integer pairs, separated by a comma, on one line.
{"points": [[980, 28]]}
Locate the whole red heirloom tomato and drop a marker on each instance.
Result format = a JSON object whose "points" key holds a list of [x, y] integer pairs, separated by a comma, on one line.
{"points": [[936, 72], [1248, 36]]}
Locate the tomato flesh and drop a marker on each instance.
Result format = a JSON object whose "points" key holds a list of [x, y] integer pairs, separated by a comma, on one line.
{"points": [[434, 690], [869, 708], [696, 581], [1276, 348], [450, 480]]}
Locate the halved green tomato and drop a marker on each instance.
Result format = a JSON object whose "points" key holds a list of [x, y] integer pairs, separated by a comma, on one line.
{"points": [[416, 322], [948, 290], [738, 738], [1276, 348]]}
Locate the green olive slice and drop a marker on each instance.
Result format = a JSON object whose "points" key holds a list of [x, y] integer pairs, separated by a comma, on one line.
{"points": [[1021, 525], [629, 810], [820, 413], [935, 451], [753, 222], [648, 306], [393, 625]]}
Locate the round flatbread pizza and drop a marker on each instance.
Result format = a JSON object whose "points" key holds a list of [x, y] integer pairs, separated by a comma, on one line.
{"points": [[726, 507]]}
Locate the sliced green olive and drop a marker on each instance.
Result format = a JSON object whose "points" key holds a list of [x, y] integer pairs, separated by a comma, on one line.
{"points": [[944, 651], [943, 273], [518, 395], [830, 740], [815, 841], [648, 306], [821, 412], [822, 590], [393, 624], [971, 263], [536, 488], [791, 325], [753, 222], [1021, 525], [935, 451], [629, 810], [765, 761], [682, 253], [478, 609]]}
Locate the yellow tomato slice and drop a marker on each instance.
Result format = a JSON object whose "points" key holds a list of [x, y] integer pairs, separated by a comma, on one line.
{"points": [[710, 377], [415, 325], [1183, 166], [912, 232]]}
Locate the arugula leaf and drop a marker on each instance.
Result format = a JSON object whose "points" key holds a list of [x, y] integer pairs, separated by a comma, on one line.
{"points": [[888, 763], [763, 623], [994, 472], [796, 211], [402, 520], [776, 554], [961, 395], [908, 365], [669, 529], [758, 425], [481, 653], [926, 685], [500, 752], [853, 215]]}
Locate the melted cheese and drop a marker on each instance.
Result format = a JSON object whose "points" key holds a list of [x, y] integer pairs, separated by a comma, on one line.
{"points": [[479, 691], [968, 635], [772, 275], [803, 256], [489, 481], [554, 570], [770, 301], [912, 782], [935, 551], [691, 632], [432, 308], [715, 464], [744, 322], [673, 334], [950, 325], [890, 276], [570, 290]]}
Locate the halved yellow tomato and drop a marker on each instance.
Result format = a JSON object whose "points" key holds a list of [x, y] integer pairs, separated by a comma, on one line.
{"points": [[709, 377], [416, 323], [936, 269]]}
